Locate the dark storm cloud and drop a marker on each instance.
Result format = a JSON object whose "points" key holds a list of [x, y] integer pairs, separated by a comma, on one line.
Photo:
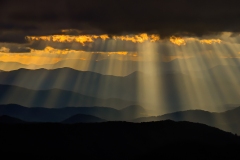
{"points": [[15, 48], [165, 17], [18, 35], [12, 37]]}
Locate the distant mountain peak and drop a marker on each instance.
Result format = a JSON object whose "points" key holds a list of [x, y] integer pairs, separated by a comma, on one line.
{"points": [[134, 111], [138, 107], [83, 118]]}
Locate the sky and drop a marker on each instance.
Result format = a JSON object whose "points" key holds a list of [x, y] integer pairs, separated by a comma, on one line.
{"points": [[46, 32], [124, 36]]}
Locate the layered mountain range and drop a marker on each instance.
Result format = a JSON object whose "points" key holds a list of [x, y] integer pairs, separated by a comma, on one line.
{"points": [[125, 67], [227, 120], [39, 114], [68, 87]]}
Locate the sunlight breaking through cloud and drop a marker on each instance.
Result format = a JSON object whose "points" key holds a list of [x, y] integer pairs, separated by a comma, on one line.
{"points": [[140, 38], [68, 38], [4, 49], [210, 41], [182, 41], [177, 40]]}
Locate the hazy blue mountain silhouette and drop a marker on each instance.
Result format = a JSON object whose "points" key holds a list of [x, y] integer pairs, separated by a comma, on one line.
{"points": [[39, 114], [119, 67], [129, 88], [54, 98], [86, 83], [133, 111], [222, 74], [10, 120], [63, 78], [83, 118], [227, 120], [119, 140]]}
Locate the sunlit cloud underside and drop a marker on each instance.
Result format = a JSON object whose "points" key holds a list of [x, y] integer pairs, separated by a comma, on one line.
{"points": [[56, 48]]}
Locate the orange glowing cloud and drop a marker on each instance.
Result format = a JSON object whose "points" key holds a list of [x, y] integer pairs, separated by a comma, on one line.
{"points": [[210, 41], [183, 41], [68, 38], [91, 38], [138, 38], [28, 59], [177, 40], [51, 55], [4, 49], [119, 53], [50, 50]]}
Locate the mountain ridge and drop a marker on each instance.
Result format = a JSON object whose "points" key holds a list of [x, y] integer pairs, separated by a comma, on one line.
{"points": [[101, 65], [40, 114], [56, 98], [136, 87], [226, 120], [82, 118], [10, 120]]}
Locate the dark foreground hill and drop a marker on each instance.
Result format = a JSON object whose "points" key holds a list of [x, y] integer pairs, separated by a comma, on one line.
{"points": [[227, 120], [117, 140], [10, 120], [125, 114]]}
